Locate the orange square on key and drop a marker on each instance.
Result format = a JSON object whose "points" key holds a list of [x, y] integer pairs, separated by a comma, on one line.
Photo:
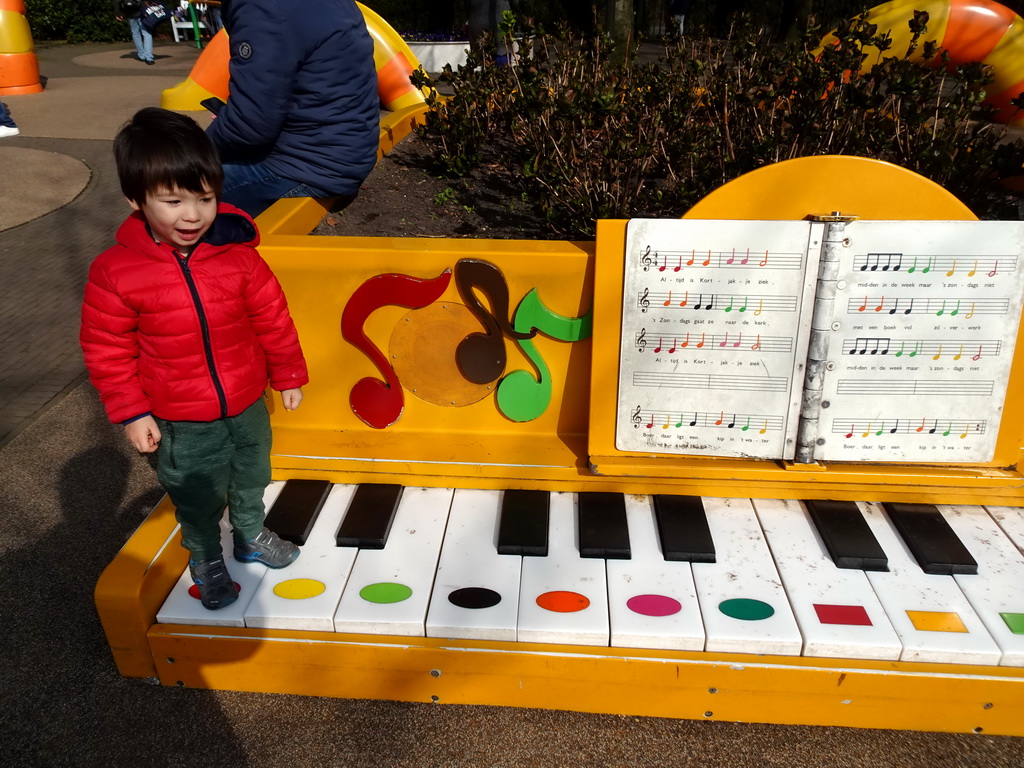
{"points": [[936, 621]]}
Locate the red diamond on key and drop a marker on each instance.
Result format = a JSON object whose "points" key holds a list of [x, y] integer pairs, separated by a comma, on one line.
{"points": [[842, 614]]}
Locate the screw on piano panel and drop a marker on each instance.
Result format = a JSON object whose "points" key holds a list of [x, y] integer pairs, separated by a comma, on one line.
{"points": [[709, 713], [435, 699], [712, 690], [435, 673]]}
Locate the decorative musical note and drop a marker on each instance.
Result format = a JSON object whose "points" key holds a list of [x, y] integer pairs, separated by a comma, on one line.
{"points": [[732, 423], [952, 270], [934, 427], [679, 265], [700, 344], [732, 258], [957, 308], [657, 349], [745, 258], [685, 300], [928, 268], [911, 270], [679, 424], [900, 353], [764, 261], [868, 432], [757, 344], [729, 308], [966, 428], [760, 307], [724, 341], [949, 428], [700, 300], [669, 301], [686, 343], [977, 356], [895, 427], [957, 355], [938, 354], [917, 346], [744, 307], [651, 423], [668, 421], [909, 309], [995, 269], [673, 347], [520, 396], [764, 428], [481, 356], [707, 260], [694, 422], [720, 419], [693, 255], [738, 341], [881, 429], [894, 307], [921, 427], [850, 433], [941, 309], [881, 303], [379, 404], [863, 306], [644, 301], [970, 314], [746, 426], [973, 269], [641, 340]]}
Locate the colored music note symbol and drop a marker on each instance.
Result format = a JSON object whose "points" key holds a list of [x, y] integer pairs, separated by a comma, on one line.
{"points": [[949, 428], [686, 343], [673, 347], [707, 260], [850, 433], [921, 427], [679, 424], [977, 356], [952, 269], [941, 309], [757, 344], [994, 269], [928, 268], [970, 314], [686, 300], [764, 261], [641, 340], [720, 419], [973, 269], [966, 428], [679, 265], [957, 355], [729, 308], [693, 255], [637, 419], [900, 353], [881, 303], [669, 301], [938, 354], [377, 403], [725, 340], [912, 268], [668, 421], [760, 307], [732, 258], [868, 432], [744, 307], [917, 345], [651, 423], [746, 426], [863, 306], [880, 430], [935, 426], [700, 344], [955, 311], [738, 341], [657, 349], [764, 428]]}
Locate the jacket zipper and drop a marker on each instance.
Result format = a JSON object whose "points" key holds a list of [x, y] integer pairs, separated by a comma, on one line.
{"points": [[205, 327]]}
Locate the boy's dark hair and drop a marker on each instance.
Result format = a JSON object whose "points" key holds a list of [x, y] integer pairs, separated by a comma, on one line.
{"points": [[162, 149]]}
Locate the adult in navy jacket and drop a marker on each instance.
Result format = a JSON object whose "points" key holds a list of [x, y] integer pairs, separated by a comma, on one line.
{"points": [[303, 116]]}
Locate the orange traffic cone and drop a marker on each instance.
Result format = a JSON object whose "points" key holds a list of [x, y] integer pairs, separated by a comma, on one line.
{"points": [[19, 70]]}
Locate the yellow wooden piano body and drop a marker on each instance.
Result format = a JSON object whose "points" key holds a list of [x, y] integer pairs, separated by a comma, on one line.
{"points": [[451, 434]]}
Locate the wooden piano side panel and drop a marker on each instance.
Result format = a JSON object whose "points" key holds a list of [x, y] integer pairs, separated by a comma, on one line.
{"points": [[731, 688]]}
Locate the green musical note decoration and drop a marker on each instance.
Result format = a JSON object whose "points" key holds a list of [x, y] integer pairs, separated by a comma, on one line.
{"points": [[520, 396]]}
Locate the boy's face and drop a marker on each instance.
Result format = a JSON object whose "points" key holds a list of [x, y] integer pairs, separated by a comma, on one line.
{"points": [[177, 216]]}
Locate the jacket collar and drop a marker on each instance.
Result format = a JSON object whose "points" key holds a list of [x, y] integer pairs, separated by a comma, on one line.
{"points": [[232, 226]]}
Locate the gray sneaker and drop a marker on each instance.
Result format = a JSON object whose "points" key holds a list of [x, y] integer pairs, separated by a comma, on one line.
{"points": [[216, 589], [268, 548]]}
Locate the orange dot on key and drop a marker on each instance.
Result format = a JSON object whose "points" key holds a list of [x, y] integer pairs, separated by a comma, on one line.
{"points": [[563, 602]]}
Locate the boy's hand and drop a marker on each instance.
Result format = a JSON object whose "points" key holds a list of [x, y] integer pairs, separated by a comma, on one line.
{"points": [[144, 434], [291, 398]]}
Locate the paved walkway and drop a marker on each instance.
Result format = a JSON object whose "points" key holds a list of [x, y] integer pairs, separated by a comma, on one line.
{"points": [[71, 492]]}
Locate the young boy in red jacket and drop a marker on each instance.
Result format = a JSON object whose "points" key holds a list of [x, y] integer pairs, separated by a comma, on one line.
{"points": [[183, 325]]}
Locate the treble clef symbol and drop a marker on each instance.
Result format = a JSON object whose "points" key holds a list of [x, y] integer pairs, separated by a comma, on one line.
{"points": [[646, 259], [637, 420], [641, 340], [644, 301]]}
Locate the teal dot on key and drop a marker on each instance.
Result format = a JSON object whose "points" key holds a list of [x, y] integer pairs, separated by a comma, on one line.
{"points": [[1015, 621], [745, 609], [385, 592]]}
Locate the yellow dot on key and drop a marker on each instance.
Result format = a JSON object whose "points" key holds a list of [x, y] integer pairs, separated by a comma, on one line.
{"points": [[936, 621], [299, 589]]}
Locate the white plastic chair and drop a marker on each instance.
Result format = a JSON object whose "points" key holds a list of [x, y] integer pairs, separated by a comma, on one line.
{"points": [[182, 28]]}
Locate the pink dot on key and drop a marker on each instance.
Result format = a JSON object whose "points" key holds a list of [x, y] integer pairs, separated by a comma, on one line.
{"points": [[653, 605]]}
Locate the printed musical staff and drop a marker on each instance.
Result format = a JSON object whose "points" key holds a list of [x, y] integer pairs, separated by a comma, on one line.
{"points": [[950, 348], [724, 302], [864, 428], [921, 306], [718, 382], [704, 258], [751, 423], [724, 342], [950, 265], [893, 387]]}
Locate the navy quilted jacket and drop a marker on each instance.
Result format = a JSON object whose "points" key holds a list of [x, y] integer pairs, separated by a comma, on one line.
{"points": [[303, 92]]}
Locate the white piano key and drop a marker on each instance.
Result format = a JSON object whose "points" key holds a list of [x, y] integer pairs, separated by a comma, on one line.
{"points": [[388, 590], [181, 608], [743, 582], [1011, 520], [836, 608], [996, 591], [933, 619], [563, 580], [305, 594], [470, 560], [652, 602]]}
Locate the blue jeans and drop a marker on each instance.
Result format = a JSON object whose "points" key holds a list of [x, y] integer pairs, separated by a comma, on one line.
{"points": [[253, 187], [5, 117], [142, 38]]}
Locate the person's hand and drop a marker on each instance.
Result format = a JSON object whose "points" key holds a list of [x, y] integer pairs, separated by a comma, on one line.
{"points": [[144, 434], [291, 398]]}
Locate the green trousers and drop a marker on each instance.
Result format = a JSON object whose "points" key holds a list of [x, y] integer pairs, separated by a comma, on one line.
{"points": [[204, 465]]}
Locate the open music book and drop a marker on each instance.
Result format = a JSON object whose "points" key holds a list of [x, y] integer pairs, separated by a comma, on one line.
{"points": [[818, 340]]}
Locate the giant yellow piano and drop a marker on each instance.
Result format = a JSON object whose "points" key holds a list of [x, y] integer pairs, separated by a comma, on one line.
{"points": [[760, 464]]}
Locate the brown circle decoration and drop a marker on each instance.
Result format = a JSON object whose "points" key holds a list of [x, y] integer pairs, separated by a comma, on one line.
{"points": [[422, 350]]}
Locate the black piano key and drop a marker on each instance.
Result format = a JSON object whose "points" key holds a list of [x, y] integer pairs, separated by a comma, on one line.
{"points": [[683, 529], [368, 519], [930, 539], [847, 536], [603, 529], [523, 526], [294, 511]]}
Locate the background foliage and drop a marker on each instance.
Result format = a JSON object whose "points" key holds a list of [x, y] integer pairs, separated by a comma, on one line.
{"points": [[77, 22], [588, 137]]}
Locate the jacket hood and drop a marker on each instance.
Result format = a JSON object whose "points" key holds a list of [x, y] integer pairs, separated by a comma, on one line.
{"points": [[232, 226]]}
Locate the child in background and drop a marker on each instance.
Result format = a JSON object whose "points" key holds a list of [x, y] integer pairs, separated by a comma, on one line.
{"points": [[183, 325], [7, 125]]}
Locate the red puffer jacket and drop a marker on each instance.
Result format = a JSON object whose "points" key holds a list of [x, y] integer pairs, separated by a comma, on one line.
{"points": [[187, 339]]}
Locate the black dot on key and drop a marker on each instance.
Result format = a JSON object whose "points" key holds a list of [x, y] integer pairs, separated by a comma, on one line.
{"points": [[474, 597]]}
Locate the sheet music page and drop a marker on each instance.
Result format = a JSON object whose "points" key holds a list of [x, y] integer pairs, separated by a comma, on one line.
{"points": [[715, 318], [925, 322]]}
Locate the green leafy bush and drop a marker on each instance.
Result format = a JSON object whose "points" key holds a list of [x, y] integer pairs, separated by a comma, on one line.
{"points": [[589, 138], [77, 22]]}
